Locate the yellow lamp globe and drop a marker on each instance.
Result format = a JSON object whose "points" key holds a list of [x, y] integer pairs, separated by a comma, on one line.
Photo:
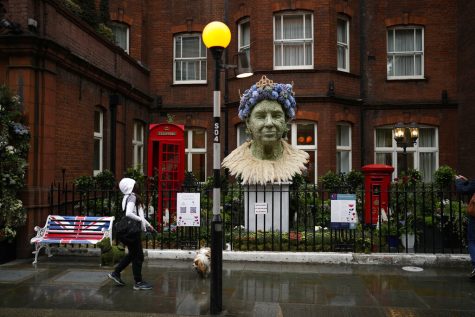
{"points": [[216, 34]]}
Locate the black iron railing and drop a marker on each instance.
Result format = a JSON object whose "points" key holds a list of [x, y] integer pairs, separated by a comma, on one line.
{"points": [[296, 218]]}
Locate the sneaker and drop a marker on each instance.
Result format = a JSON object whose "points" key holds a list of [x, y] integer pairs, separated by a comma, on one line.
{"points": [[472, 274], [142, 286], [116, 278]]}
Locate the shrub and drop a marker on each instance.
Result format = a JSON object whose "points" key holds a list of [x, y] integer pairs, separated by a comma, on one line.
{"points": [[444, 177], [14, 146]]}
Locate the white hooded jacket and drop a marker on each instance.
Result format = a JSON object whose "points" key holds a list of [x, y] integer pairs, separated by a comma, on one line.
{"points": [[126, 186]]}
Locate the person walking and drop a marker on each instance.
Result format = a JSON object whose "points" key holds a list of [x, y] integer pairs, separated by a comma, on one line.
{"points": [[133, 206], [465, 186]]}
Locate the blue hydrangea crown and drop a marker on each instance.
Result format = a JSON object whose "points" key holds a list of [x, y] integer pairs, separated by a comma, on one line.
{"points": [[266, 89]]}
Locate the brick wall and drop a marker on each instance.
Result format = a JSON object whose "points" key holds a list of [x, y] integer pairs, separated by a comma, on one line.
{"points": [[466, 84]]}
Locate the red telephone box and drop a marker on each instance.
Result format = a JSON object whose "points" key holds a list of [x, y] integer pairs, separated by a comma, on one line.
{"points": [[377, 184], [166, 157]]}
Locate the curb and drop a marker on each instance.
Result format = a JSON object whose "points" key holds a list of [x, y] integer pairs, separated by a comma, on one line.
{"points": [[438, 260]]}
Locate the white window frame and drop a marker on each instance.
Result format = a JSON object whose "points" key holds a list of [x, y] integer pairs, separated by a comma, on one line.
{"points": [[308, 148], [190, 150], [416, 150], [344, 148], [414, 53], [304, 41], [138, 144], [343, 45], [127, 34], [99, 135], [199, 59]]}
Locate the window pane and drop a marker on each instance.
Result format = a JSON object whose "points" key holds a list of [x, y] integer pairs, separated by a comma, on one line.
{"points": [[198, 163], [310, 176], [343, 135], [341, 57], [404, 65], [384, 138], [190, 47], [177, 47], [120, 34], [390, 66], [308, 26], [390, 40], [178, 73], [245, 34], [293, 27], [203, 70], [404, 40], [426, 137], [97, 121], [418, 39], [199, 140], [427, 166], [278, 28], [418, 66], [341, 31], [293, 54], [305, 134], [278, 55], [384, 158], [97, 154], [343, 161]]}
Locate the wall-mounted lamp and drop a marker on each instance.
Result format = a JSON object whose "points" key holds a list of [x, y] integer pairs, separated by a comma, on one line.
{"points": [[242, 68]]}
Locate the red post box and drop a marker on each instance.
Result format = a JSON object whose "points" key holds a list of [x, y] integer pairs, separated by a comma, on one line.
{"points": [[377, 184]]}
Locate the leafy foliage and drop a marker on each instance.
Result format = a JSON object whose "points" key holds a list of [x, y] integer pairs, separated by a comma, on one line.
{"points": [[444, 177], [14, 146]]}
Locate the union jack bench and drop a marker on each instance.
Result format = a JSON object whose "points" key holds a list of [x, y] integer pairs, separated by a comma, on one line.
{"points": [[71, 230]]}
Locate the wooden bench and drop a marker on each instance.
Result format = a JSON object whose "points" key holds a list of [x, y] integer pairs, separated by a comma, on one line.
{"points": [[71, 230]]}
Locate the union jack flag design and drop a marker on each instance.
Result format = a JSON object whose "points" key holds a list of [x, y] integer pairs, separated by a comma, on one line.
{"points": [[74, 229]]}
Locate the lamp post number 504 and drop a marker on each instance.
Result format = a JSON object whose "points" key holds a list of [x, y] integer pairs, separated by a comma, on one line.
{"points": [[216, 132]]}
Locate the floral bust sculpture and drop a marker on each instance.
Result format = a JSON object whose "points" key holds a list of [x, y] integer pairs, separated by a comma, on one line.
{"points": [[266, 108]]}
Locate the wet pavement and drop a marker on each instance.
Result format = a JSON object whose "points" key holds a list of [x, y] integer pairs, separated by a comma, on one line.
{"points": [[78, 286]]}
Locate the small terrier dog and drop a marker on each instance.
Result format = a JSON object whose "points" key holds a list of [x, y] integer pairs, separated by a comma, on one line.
{"points": [[202, 262]]}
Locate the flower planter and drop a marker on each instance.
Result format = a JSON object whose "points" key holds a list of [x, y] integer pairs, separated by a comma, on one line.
{"points": [[411, 239]]}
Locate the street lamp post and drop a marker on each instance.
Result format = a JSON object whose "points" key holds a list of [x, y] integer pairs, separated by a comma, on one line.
{"points": [[216, 37], [405, 135]]}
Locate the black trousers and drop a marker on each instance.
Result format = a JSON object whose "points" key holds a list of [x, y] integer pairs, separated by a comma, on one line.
{"points": [[135, 255]]}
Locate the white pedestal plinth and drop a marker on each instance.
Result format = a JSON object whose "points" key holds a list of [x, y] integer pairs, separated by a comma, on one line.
{"points": [[272, 202]]}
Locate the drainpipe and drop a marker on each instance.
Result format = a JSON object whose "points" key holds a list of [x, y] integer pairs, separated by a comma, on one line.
{"points": [[363, 77], [113, 102]]}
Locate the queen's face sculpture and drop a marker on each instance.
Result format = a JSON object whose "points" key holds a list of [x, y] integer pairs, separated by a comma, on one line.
{"points": [[266, 108], [267, 122]]}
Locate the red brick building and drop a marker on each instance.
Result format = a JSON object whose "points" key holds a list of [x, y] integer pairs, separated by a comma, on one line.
{"points": [[358, 68]]}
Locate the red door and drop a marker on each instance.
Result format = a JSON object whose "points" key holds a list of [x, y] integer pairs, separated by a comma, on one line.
{"points": [[169, 181]]}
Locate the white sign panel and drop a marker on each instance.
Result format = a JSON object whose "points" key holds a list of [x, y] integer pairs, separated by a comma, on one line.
{"points": [[343, 211], [188, 209], [260, 208]]}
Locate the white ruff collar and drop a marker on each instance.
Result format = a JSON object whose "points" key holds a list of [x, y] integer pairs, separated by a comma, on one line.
{"points": [[252, 170]]}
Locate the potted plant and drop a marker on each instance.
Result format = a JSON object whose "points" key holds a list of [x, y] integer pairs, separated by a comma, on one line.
{"points": [[14, 145], [408, 230]]}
